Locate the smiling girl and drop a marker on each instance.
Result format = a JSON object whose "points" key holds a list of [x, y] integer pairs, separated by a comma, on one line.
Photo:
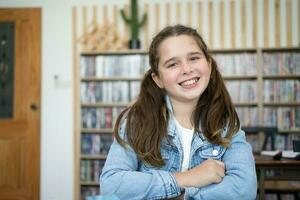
{"points": [[182, 136]]}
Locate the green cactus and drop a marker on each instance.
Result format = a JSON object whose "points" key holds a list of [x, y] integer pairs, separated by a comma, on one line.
{"points": [[133, 20]]}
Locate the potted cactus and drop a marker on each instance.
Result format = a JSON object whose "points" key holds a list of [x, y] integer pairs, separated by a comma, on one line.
{"points": [[135, 25]]}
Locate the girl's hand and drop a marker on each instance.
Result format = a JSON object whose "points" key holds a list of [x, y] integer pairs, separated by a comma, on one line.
{"points": [[208, 172]]}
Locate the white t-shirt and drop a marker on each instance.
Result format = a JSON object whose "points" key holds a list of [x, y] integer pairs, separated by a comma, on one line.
{"points": [[186, 137]]}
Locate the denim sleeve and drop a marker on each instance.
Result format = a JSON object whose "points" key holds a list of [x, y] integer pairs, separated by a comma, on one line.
{"points": [[121, 178], [240, 175]]}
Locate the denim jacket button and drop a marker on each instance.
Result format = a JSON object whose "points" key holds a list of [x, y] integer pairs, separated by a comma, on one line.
{"points": [[215, 152]]}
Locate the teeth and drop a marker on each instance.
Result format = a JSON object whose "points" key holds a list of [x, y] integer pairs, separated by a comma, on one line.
{"points": [[189, 82]]}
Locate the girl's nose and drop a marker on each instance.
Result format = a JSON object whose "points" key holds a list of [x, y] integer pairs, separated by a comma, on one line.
{"points": [[186, 68]]}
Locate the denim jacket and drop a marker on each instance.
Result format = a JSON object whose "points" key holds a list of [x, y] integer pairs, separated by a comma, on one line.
{"points": [[127, 177]]}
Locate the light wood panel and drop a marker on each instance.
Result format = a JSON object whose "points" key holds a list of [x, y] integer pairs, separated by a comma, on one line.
{"points": [[254, 22], [244, 24], [266, 23], [222, 27], [200, 17], [184, 13], [76, 107], [277, 23], [210, 24], [233, 22], [289, 22]]}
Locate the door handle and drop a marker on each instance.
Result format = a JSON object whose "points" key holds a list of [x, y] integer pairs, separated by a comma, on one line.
{"points": [[34, 107]]}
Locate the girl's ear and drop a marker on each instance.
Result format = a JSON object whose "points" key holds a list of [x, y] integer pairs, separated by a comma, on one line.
{"points": [[157, 80]]}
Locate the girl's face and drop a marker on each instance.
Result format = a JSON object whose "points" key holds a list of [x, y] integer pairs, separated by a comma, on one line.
{"points": [[183, 69]]}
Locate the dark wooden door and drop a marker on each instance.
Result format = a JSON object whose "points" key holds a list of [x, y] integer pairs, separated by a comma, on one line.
{"points": [[20, 129]]}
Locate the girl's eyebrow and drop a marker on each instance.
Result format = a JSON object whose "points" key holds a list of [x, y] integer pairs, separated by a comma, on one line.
{"points": [[195, 53], [169, 60], [189, 54]]}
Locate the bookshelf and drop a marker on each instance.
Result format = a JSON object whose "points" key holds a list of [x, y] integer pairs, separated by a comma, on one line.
{"points": [[106, 82]]}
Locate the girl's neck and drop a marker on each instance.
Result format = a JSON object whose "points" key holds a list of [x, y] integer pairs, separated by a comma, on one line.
{"points": [[183, 113]]}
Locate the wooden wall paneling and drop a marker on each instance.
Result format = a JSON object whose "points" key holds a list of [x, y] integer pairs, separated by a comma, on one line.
{"points": [[116, 15], [126, 31], [200, 18], [84, 19], [106, 21], [222, 27], [189, 12], [210, 24], [254, 21], [244, 23], [157, 18], [277, 23], [233, 23], [95, 13], [194, 17], [146, 28], [76, 105], [289, 22], [178, 12], [266, 23], [168, 14]]}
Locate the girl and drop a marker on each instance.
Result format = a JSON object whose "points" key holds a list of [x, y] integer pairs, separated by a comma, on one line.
{"points": [[182, 136]]}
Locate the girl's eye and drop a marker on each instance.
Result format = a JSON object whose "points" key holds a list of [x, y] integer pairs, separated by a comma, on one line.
{"points": [[172, 65], [194, 58]]}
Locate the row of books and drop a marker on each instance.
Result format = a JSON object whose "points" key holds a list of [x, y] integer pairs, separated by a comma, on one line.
{"points": [[100, 117], [242, 91], [90, 170], [114, 65], [237, 64], [95, 144], [248, 116], [282, 91], [283, 117], [281, 141], [229, 64], [110, 91], [281, 63], [87, 191]]}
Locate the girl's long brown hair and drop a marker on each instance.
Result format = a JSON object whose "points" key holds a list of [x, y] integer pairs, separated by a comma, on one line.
{"points": [[147, 119]]}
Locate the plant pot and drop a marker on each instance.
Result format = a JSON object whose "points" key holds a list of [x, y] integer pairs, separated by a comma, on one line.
{"points": [[134, 44]]}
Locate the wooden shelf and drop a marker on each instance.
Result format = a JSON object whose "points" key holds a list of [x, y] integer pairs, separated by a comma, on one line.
{"points": [[281, 49], [231, 51], [93, 105], [245, 104], [94, 79], [240, 77], [288, 131], [281, 104], [101, 130], [120, 52], [282, 77], [282, 186], [93, 157], [89, 183]]}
